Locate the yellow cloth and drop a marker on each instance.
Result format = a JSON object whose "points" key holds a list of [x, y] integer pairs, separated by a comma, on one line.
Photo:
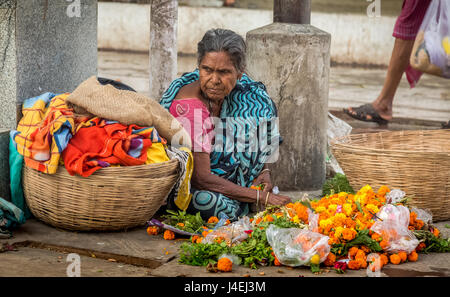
{"points": [[184, 196], [44, 130]]}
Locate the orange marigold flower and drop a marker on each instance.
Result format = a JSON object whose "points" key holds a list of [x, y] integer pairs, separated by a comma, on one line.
{"points": [[413, 256], [224, 264], [360, 254], [365, 249], [353, 265], [384, 244], [276, 262], [384, 259], [383, 190], [403, 256], [258, 220], [395, 259], [362, 262], [352, 252], [180, 224], [199, 240], [377, 237], [213, 220], [436, 232], [348, 234], [194, 238], [421, 246], [152, 230], [412, 217], [418, 224], [227, 222], [330, 260], [169, 235], [268, 218]]}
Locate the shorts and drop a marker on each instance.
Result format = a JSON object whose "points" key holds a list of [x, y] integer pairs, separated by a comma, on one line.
{"points": [[411, 17]]}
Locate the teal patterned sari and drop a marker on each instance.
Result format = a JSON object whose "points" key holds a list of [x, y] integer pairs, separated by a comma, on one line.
{"points": [[246, 137]]}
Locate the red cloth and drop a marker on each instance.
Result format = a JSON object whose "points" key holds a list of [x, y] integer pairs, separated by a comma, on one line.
{"points": [[91, 147]]}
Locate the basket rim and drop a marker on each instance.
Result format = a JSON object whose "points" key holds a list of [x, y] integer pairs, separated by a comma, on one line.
{"points": [[335, 143]]}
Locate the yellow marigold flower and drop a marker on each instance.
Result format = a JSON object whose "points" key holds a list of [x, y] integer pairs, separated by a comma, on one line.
{"points": [[372, 208], [332, 207], [366, 189], [338, 232], [320, 209], [295, 219], [342, 195], [347, 208], [325, 223]]}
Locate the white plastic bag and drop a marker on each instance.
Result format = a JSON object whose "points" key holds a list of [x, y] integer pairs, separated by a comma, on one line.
{"points": [[295, 247], [431, 50], [392, 225], [423, 215], [235, 232], [336, 128]]}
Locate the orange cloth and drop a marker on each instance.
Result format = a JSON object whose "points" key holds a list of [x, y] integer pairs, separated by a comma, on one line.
{"points": [[102, 145]]}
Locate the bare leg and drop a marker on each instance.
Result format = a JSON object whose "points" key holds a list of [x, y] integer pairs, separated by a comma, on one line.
{"points": [[397, 66]]}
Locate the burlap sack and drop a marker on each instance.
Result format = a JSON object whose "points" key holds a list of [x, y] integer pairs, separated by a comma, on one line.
{"points": [[128, 108]]}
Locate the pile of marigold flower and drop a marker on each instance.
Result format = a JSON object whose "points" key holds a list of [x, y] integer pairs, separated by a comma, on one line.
{"points": [[346, 219]]}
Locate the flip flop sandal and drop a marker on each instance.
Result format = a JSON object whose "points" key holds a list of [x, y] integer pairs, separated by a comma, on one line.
{"points": [[362, 112]]}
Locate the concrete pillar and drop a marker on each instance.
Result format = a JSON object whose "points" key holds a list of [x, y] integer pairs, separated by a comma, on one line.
{"points": [[293, 61], [45, 46], [163, 45]]}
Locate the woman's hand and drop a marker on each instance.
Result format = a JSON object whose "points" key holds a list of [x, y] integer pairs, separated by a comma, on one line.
{"points": [[264, 179], [273, 199]]}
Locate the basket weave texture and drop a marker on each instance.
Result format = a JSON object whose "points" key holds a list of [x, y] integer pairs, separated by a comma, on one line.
{"points": [[113, 198], [417, 162]]}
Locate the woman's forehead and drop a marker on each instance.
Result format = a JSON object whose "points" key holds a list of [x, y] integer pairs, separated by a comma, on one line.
{"points": [[217, 60]]}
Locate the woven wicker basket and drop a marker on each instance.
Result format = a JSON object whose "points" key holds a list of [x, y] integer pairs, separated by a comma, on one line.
{"points": [[417, 162], [113, 198]]}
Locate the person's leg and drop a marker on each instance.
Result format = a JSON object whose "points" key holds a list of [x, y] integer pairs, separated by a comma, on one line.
{"points": [[397, 66], [405, 31]]}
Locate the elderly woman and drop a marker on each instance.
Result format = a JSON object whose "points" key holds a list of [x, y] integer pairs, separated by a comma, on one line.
{"points": [[219, 105]]}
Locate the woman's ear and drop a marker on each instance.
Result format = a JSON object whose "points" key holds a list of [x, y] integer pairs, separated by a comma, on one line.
{"points": [[239, 75]]}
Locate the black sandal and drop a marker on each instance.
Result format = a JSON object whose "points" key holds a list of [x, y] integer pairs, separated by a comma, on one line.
{"points": [[362, 112]]}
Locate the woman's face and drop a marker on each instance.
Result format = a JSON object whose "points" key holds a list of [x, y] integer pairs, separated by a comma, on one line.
{"points": [[218, 76]]}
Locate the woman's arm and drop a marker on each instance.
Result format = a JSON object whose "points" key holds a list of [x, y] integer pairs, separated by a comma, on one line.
{"points": [[203, 179]]}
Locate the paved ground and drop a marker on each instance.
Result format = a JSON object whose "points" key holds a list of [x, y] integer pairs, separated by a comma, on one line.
{"points": [[44, 251]]}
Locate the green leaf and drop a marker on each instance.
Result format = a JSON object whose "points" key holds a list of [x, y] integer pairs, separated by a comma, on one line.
{"points": [[358, 205]]}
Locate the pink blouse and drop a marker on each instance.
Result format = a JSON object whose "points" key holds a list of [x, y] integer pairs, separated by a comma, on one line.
{"points": [[195, 118]]}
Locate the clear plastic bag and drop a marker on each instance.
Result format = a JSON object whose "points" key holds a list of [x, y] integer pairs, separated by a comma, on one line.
{"points": [[295, 247], [336, 128], [392, 225], [235, 232], [431, 50], [423, 215]]}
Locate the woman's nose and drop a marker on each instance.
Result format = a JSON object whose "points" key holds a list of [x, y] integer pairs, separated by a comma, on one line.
{"points": [[215, 79]]}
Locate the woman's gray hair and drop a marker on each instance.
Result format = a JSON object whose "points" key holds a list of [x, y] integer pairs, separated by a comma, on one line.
{"points": [[218, 40]]}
